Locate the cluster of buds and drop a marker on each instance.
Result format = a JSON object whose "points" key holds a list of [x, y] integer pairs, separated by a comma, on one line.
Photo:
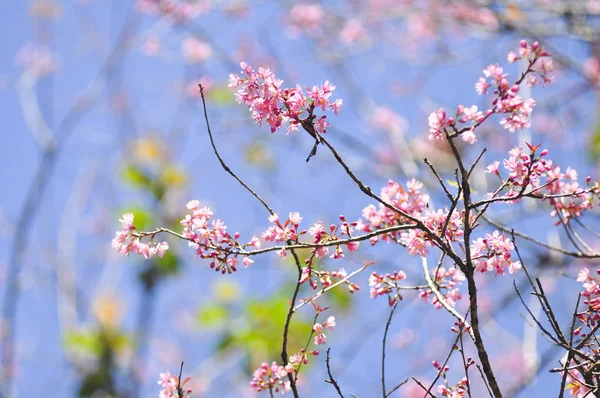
{"points": [[325, 279], [380, 285]]}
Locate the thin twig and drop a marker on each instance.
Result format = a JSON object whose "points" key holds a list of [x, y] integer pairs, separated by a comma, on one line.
{"points": [[393, 390], [288, 320], [427, 392], [540, 243], [326, 289], [180, 393], [332, 380], [387, 328], [442, 366], [223, 164]]}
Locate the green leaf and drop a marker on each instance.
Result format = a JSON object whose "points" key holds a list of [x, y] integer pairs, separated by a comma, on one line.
{"points": [[116, 340], [86, 341], [213, 316], [221, 95], [258, 155], [135, 177], [594, 147], [168, 264], [452, 183]]}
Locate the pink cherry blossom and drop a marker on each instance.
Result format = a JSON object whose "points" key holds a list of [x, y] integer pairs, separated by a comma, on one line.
{"points": [[320, 339], [306, 17], [195, 51], [126, 241], [437, 122], [493, 253], [447, 282], [176, 11], [353, 32], [542, 177], [482, 86], [380, 285], [169, 384], [271, 104], [268, 377]]}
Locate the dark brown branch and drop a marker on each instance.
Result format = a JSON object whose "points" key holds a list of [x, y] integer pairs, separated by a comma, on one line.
{"points": [[180, 393], [387, 328], [288, 320], [332, 380], [468, 270]]}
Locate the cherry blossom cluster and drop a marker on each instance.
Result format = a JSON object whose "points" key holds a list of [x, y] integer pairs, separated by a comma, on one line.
{"points": [[270, 377], [386, 285], [540, 62], [591, 296], [170, 385], [524, 170], [306, 18], [410, 200], [271, 104], [439, 120], [461, 388], [447, 282], [282, 233], [507, 101], [275, 376], [335, 233], [127, 241], [321, 338], [414, 203], [570, 200], [493, 253], [412, 23], [562, 190], [211, 240], [195, 51], [457, 391], [441, 223], [177, 11]]}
